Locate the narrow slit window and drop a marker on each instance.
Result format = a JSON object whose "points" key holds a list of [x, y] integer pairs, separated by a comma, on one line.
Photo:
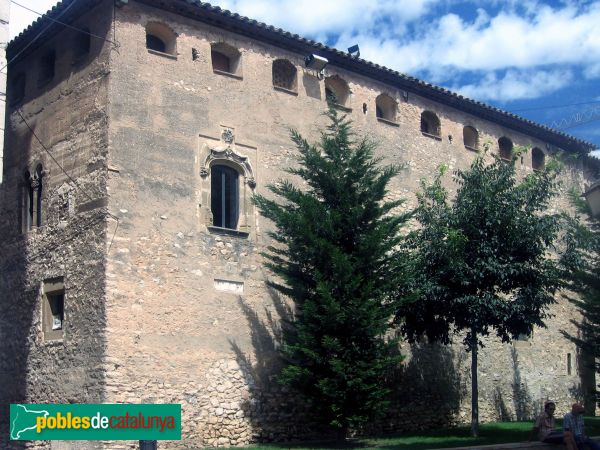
{"points": [[569, 364], [37, 187], [27, 202]]}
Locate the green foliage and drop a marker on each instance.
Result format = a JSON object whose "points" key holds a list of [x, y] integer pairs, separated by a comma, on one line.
{"points": [[336, 253], [482, 262], [491, 433]]}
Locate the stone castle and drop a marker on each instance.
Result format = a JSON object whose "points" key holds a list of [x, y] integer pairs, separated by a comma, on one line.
{"points": [[130, 263]]}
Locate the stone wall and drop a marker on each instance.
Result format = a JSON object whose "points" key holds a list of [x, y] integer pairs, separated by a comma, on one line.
{"points": [[4, 18], [163, 308], [190, 319], [69, 116]]}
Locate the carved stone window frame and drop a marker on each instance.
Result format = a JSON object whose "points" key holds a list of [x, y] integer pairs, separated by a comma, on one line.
{"points": [[211, 155]]}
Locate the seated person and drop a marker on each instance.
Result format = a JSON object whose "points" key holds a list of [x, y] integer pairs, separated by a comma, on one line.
{"points": [[544, 427], [573, 423]]}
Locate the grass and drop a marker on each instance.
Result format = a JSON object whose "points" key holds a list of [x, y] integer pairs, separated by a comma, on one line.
{"points": [[490, 433]]}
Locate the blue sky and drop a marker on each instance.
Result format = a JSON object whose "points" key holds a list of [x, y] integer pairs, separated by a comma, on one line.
{"points": [[538, 59]]}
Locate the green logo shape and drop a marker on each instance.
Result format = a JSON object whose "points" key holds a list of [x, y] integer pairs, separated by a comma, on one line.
{"points": [[90, 422]]}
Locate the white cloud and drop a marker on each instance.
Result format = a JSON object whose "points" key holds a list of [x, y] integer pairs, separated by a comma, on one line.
{"points": [[524, 51], [504, 41], [326, 17], [592, 72], [516, 84], [524, 34]]}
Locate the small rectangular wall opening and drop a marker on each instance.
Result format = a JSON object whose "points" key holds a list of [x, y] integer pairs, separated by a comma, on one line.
{"points": [[235, 287], [569, 364], [53, 309]]}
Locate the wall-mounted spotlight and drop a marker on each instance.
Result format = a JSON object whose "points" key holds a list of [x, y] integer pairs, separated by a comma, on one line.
{"points": [[354, 51], [316, 63]]}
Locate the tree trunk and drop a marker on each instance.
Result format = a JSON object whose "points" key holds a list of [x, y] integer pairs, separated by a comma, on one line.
{"points": [[474, 387], [341, 434]]}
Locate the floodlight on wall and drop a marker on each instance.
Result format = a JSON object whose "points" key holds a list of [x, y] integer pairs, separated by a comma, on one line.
{"points": [[354, 51], [316, 63]]}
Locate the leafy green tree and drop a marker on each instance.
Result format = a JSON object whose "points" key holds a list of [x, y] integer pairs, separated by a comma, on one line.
{"points": [[336, 253], [582, 262], [481, 261]]}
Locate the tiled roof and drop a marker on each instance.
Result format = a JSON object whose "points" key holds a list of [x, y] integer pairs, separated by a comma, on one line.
{"points": [[233, 22]]}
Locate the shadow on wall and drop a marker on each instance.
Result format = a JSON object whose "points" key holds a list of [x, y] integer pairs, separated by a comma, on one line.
{"points": [[273, 413], [15, 324], [586, 367], [17, 303], [427, 390], [24, 357], [68, 370], [521, 405]]}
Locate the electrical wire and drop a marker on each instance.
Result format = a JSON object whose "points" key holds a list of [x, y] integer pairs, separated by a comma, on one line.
{"points": [[66, 24], [51, 155], [36, 37], [66, 173], [581, 124], [564, 105]]}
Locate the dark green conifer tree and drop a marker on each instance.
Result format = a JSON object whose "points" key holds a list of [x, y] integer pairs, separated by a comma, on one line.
{"points": [[336, 253]]}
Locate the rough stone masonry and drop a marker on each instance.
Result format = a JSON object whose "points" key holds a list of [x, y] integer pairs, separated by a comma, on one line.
{"points": [[131, 267]]}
